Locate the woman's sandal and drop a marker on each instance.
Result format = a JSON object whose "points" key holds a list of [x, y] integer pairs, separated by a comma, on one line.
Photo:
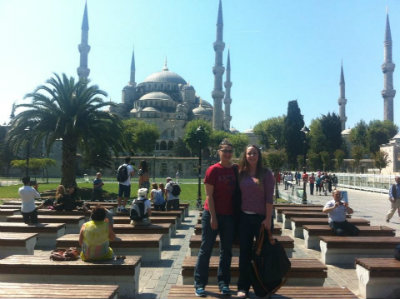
{"points": [[242, 294]]}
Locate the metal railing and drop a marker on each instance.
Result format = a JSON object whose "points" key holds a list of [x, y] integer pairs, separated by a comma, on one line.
{"points": [[366, 182]]}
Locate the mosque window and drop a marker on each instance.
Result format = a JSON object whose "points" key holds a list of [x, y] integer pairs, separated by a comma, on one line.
{"points": [[172, 133], [163, 146], [170, 145]]}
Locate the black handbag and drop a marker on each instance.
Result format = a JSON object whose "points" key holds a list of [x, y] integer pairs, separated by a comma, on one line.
{"points": [[236, 203], [269, 265]]}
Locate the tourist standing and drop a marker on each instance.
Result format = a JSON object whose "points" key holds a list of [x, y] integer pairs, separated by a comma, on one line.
{"points": [[220, 183], [28, 195], [172, 191], [257, 187], [98, 187], [336, 210], [312, 182], [143, 173], [125, 172], [157, 197], [394, 198]]}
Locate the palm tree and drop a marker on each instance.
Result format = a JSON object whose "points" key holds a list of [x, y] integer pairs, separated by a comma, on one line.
{"points": [[70, 111]]}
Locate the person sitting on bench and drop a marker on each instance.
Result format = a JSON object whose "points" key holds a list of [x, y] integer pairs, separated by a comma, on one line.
{"points": [[337, 209], [28, 196], [95, 237], [64, 202]]}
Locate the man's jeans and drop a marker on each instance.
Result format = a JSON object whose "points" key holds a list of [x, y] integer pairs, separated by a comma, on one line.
{"points": [[226, 233], [344, 228]]}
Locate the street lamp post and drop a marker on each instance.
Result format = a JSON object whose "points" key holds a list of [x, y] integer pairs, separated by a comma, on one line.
{"points": [[305, 130], [154, 163], [28, 149], [199, 135]]}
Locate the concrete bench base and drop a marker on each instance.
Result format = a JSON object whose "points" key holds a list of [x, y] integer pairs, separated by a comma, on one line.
{"points": [[334, 256], [11, 244], [41, 270], [377, 287]]}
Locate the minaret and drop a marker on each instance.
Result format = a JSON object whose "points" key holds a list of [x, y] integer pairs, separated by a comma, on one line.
{"points": [[128, 92], [218, 70], [228, 100], [84, 48], [388, 92], [342, 100]]}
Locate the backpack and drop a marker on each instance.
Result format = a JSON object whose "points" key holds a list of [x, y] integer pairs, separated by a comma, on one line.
{"points": [[122, 173], [176, 190], [137, 210], [158, 199]]}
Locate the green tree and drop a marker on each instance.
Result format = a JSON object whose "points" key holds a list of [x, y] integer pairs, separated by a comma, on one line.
{"points": [[216, 137], [339, 158], [314, 160], [275, 159], [379, 132], [139, 136], [332, 129], [317, 137], [357, 153], [270, 130], [68, 110], [239, 142], [35, 164], [326, 159], [358, 135], [381, 159], [293, 137], [300, 161], [191, 137]]}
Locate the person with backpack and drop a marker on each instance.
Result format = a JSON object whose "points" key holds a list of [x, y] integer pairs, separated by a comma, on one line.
{"points": [[394, 198], [141, 208], [172, 191], [157, 197], [217, 219], [124, 174]]}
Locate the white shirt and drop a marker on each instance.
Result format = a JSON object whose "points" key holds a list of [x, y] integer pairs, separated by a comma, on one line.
{"points": [[338, 214], [28, 195], [130, 170]]}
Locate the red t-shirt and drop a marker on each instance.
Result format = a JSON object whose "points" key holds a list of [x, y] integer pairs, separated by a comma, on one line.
{"points": [[224, 181], [305, 177]]}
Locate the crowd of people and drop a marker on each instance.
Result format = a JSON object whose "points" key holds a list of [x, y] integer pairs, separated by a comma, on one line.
{"points": [[322, 182]]}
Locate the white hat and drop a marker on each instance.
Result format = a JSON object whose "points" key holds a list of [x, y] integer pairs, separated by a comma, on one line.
{"points": [[142, 192]]}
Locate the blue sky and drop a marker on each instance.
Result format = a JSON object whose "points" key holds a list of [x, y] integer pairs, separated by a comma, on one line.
{"points": [[280, 50]]}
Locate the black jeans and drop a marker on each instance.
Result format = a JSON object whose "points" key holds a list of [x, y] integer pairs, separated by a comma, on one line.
{"points": [[31, 217], [249, 229], [311, 188], [159, 207], [344, 228], [226, 234], [173, 204]]}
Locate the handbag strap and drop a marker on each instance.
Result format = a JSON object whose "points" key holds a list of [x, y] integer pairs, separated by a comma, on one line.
{"points": [[261, 237]]}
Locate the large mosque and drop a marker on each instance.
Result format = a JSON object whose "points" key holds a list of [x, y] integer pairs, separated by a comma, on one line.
{"points": [[165, 98]]}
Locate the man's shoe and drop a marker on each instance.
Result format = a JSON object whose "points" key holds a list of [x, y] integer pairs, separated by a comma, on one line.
{"points": [[200, 292], [225, 290]]}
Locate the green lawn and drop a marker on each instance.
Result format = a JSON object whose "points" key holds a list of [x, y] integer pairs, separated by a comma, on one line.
{"points": [[188, 191]]}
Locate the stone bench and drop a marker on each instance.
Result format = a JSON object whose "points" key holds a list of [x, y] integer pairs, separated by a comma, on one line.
{"points": [[313, 232], [287, 215], [162, 228], [17, 243], [286, 292], [279, 210], [70, 213], [147, 246], [57, 291], [73, 223], [378, 277], [277, 229], [4, 213], [40, 269], [344, 250], [153, 219], [303, 271], [195, 242], [298, 222], [47, 232], [179, 213]]}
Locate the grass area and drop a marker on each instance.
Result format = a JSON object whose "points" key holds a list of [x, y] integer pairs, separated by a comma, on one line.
{"points": [[188, 191]]}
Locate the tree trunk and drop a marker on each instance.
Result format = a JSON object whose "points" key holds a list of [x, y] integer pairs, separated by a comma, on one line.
{"points": [[68, 167]]}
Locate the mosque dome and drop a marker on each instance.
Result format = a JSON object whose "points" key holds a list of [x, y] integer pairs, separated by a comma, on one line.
{"points": [[150, 109], [188, 87], [165, 76], [206, 104], [249, 131], [200, 110], [233, 130], [155, 95], [346, 132]]}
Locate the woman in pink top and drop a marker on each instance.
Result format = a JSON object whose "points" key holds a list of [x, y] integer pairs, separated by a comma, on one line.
{"points": [[257, 187]]}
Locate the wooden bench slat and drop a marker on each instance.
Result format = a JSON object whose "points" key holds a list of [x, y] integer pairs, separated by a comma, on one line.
{"points": [[49, 218], [299, 221], [316, 230], [360, 242], [22, 227]]}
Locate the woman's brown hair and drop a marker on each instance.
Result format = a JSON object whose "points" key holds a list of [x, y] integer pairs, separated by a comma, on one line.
{"points": [[60, 191], [244, 165]]}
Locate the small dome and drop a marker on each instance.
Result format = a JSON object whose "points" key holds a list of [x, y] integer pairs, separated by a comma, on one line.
{"points": [[156, 95], [165, 76], [200, 110], [150, 109], [188, 87], [206, 104], [134, 110], [249, 131], [233, 130], [346, 132]]}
